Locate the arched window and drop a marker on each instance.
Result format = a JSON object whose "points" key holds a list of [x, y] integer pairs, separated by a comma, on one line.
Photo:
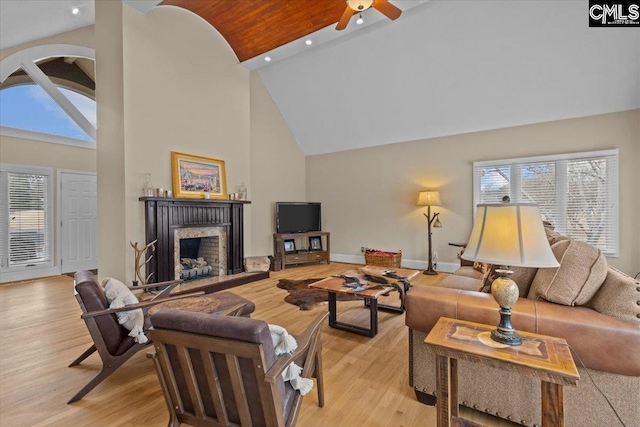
{"points": [[47, 93]]}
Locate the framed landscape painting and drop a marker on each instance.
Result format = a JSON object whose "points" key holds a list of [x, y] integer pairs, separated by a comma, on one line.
{"points": [[195, 176]]}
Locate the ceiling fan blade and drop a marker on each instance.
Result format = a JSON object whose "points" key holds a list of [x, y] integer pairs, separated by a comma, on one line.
{"points": [[387, 9], [345, 18]]}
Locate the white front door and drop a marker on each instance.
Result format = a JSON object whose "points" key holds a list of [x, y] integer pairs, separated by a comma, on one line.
{"points": [[78, 221]]}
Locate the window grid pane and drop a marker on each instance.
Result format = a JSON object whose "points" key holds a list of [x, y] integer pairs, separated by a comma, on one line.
{"points": [[29, 235], [538, 185], [588, 216], [577, 193], [29, 107], [495, 183]]}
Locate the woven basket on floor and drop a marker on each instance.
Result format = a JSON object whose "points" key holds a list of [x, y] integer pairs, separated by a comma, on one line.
{"points": [[383, 259]]}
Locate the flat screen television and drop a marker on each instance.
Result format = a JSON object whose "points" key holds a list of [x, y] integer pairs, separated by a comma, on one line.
{"points": [[297, 217]]}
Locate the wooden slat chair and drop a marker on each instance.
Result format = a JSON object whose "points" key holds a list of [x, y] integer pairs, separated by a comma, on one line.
{"points": [[223, 371], [110, 339]]}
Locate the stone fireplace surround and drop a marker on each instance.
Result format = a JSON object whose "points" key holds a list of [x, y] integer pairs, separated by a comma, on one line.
{"points": [[202, 232], [164, 216]]}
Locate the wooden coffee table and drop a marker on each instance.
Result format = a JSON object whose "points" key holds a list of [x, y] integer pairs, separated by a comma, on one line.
{"points": [[335, 286], [545, 358]]}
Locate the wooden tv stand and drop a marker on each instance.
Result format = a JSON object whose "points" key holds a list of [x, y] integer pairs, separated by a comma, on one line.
{"points": [[304, 254]]}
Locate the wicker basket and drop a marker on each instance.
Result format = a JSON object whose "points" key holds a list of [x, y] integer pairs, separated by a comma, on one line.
{"points": [[382, 258]]}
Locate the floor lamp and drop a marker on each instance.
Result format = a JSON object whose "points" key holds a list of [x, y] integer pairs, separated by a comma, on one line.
{"points": [[428, 199]]}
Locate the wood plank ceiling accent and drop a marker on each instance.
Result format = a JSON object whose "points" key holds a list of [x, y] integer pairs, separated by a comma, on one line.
{"points": [[253, 27]]}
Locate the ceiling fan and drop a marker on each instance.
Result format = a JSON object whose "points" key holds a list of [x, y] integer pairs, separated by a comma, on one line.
{"points": [[355, 6]]}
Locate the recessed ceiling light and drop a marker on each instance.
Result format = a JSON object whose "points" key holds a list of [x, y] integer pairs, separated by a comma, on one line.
{"points": [[359, 21], [75, 11], [267, 58], [308, 42]]}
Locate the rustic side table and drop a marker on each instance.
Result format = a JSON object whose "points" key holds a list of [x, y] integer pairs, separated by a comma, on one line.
{"points": [[545, 358]]}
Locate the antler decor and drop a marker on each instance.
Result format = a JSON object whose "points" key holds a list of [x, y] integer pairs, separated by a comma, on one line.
{"points": [[140, 255]]}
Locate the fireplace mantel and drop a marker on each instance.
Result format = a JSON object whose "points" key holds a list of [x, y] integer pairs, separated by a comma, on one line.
{"points": [[164, 215]]}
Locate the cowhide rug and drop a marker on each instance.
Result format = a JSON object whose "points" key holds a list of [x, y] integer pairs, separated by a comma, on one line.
{"points": [[303, 296]]}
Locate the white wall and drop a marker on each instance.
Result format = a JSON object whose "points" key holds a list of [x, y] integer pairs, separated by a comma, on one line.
{"points": [[368, 195], [110, 140], [35, 153], [183, 92], [277, 167]]}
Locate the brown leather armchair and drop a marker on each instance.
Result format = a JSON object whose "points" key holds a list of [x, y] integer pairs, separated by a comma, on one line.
{"points": [[110, 339], [221, 371]]}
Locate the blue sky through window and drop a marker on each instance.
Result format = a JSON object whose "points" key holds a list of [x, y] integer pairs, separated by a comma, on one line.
{"points": [[29, 107]]}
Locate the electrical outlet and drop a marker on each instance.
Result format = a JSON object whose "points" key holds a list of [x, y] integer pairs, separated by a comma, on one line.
{"points": [[435, 254], [362, 248]]}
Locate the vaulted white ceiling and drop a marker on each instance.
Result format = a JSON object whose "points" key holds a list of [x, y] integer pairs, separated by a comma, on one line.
{"points": [[25, 21], [22, 21], [451, 67], [444, 67]]}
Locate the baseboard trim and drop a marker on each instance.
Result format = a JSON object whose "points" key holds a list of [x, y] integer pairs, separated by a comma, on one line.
{"points": [[35, 273], [445, 267]]}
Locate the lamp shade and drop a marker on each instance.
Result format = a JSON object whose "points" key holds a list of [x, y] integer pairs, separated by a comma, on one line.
{"points": [[509, 234], [429, 198]]}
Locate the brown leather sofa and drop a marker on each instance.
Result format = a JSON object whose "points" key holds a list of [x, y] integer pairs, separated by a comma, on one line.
{"points": [[608, 345]]}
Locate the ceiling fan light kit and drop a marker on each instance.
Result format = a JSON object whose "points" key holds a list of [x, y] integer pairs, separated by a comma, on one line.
{"points": [[355, 6], [359, 5]]}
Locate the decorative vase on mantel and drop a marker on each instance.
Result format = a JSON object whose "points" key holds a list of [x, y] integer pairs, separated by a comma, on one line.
{"points": [[242, 191], [148, 190]]}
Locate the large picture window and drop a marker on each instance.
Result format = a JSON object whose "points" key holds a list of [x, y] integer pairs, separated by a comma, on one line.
{"points": [[26, 218], [577, 193]]}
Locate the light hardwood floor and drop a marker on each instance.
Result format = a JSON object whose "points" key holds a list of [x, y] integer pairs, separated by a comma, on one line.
{"points": [[366, 379]]}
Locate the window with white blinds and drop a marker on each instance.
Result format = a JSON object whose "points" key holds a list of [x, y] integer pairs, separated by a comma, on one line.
{"points": [[577, 193], [26, 231]]}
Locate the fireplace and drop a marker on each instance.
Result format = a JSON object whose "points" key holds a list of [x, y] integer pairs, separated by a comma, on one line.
{"points": [[170, 219], [199, 252]]}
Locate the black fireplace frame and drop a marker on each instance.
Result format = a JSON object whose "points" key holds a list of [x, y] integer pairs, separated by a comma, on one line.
{"points": [[164, 215]]}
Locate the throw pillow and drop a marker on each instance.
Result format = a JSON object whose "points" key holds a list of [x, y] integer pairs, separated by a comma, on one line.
{"points": [[618, 296], [523, 276], [552, 235], [582, 270], [119, 295]]}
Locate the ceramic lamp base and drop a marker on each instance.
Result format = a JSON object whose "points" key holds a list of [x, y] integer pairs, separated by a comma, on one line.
{"points": [[505, 292]]}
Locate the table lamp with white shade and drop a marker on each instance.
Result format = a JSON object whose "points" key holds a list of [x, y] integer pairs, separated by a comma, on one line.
{"points": [[509, 235]]}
